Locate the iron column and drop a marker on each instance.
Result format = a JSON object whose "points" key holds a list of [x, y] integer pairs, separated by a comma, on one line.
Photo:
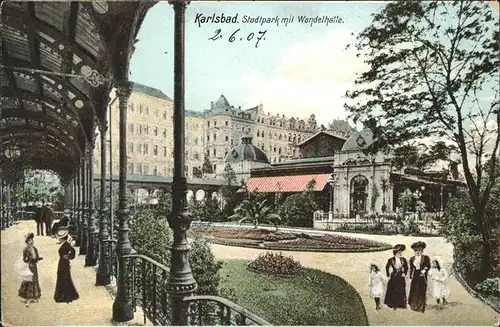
{"points": [[78, 206], [84, 215], [91, 257], [103, 275], [122, 306], [181, 282]]}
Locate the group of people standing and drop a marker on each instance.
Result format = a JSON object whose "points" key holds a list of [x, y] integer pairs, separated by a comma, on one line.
{"points": [[43, 216], [30, 290], [419, 269]]}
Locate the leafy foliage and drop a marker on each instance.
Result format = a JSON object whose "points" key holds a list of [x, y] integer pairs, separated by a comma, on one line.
{"points": [[255, 208], [433, 72], [405, 200], [43, 186], [275, 264], [297, 210], [459, 228], [151, 236], [206, 210], [489, 286]]}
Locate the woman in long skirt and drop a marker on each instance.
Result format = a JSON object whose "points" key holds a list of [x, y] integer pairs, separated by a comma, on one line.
{"points": [[396, 269], [30, 290], [65, 289], [419, 267]]}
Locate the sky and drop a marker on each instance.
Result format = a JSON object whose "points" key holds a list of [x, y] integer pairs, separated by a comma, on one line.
{"points": [[297, 69]]}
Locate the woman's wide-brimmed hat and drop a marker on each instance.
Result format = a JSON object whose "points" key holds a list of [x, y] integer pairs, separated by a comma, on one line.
{"points": [[28, 237], [373, 263], [62, 233], [398, 248], [418, 245]]}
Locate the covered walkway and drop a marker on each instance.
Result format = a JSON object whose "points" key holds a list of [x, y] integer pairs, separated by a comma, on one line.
{"points": [[93, 307]]}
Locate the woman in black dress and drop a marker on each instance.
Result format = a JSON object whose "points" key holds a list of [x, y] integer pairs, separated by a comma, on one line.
{"points": [[30, 289], [396, 269], [65, 289], [420, 264]]}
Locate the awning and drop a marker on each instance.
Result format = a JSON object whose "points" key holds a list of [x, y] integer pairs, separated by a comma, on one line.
{"points": [[278, 184]]}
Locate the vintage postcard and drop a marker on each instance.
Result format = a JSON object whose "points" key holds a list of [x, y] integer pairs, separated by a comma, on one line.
{"points": [[289, 163]]}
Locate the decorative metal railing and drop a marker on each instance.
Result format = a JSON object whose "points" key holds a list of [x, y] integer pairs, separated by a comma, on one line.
{"points": [[148, 288], [111, 257], [148, 279], [214, 310]]}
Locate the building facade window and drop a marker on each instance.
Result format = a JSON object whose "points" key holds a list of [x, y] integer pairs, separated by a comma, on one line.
{"points": [[155, 150]]}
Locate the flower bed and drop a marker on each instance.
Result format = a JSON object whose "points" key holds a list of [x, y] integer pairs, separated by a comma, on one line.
{"points": [[271, 240], [348, 241], [275, 264], [252, 234]]}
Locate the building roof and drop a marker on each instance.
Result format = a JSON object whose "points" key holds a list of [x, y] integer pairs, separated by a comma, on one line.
{"points": [[148, 90], [297, 183], [359, 141], [318, 133], [221, 102], [246, 151]]}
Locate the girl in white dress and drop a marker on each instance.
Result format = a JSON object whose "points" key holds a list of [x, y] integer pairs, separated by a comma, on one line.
{"points": [[440, 283], [376, 284]]}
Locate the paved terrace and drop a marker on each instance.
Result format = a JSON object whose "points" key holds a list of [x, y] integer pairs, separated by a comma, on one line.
{"points": [[93, 308]]}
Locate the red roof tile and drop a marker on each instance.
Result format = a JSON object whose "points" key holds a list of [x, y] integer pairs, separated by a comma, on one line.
{"points": [[296, 183]]}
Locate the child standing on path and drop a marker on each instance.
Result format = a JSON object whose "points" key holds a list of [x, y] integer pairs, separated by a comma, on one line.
{"points": [[376, 284], [440, 283]]}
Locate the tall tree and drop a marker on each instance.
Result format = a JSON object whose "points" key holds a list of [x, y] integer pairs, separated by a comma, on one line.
{"points": [[434, 74]]}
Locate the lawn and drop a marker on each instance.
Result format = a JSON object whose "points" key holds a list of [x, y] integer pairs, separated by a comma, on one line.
{"points": [[312, 297]]}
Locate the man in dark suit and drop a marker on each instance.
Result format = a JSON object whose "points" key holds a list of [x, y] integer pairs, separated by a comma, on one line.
{"points": [[47, 219], [38, 219]]}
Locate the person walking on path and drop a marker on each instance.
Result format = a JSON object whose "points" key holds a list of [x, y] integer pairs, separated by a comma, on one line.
{"points": [[47, 219], [376, 284], [396, 270], [65, 289], [420, 265], [30, 289], [440, 282], [39, 219]]}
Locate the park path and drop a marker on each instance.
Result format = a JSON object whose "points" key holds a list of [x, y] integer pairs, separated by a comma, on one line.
{"points": [[94, 307], [354, 267]]}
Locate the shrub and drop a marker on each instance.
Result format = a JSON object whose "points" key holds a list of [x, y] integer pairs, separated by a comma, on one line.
{"points": [[458, 227], [489, 286], [297, 210], [275, 264], [206, 210], [151, 236]]}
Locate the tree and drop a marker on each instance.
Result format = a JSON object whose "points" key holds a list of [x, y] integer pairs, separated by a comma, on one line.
{"points": [[433, 73], [207, 167], [43, 186], [255, 208], [206, 210], [421, 156], [229, 189]]}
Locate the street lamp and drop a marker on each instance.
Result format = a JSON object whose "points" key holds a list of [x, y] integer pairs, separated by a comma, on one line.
{"points": [[331, 182]]}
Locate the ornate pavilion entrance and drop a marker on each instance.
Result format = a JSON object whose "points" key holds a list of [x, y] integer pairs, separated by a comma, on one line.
{"points": [[60, 61]]}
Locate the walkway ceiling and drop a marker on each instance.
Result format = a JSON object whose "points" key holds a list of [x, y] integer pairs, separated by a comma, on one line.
{"points": [[59, 63]]}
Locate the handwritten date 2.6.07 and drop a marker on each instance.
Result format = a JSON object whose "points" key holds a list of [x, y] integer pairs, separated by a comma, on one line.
{"points": [[238, 36]]}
